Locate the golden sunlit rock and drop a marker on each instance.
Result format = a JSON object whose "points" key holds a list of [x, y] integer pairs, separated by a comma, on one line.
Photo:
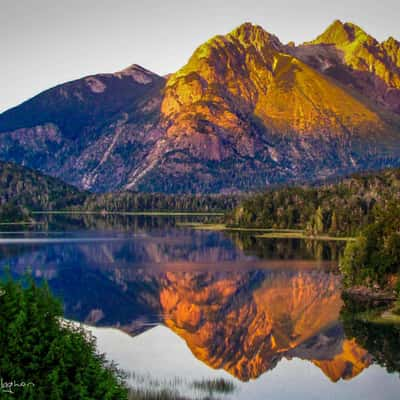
{"points": [[250, 75], [346, 365], [244, 113], [227, 323]]}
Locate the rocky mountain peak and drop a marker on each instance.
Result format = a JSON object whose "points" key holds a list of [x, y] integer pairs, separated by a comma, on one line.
{"points": [[246, 41], [254, 35], [391, 41], [137, 73], [392, 47], [344, 34], [244, 112]]}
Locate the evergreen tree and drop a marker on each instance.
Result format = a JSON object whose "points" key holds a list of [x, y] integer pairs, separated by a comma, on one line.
{"points": [[53, 359], [319, 221], [334, 225]]}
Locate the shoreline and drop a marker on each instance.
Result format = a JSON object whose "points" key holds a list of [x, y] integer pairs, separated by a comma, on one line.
{"points": [[364, 293], [266, 233], [380, 298], [138, 213]]}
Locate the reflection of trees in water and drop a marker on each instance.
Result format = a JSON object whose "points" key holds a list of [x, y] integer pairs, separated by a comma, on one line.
{"points": [[284, 248], [119, 222], [244, 321], [7, 252], [381, 340]]}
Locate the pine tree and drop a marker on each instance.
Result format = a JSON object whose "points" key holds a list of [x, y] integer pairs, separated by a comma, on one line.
{"points": [[319, 221], [334, 227]]}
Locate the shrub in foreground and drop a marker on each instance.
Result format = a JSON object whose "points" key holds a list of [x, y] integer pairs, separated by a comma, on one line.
{"points": [[42, 357]]}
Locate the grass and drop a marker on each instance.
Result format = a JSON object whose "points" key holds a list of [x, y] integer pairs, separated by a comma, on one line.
{"points": [[148, 394], [302, 235], [376, 316], [215, 386], [265, 233], [392, 315], [147, 387], [224, 227], [201, 226]]}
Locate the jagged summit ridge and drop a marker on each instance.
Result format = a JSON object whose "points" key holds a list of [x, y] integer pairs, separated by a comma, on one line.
{"points": [[137, 73], [340, 33], [244, 112]]}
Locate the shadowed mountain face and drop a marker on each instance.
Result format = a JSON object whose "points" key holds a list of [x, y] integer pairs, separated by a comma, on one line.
{"points": [[244, 112], [91, 132]]}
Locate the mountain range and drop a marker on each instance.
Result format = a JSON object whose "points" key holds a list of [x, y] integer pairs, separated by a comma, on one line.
{"points": [[245, 112]]}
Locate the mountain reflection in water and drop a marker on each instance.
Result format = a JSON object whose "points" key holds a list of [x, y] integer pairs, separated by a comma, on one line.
{"points": [[241, 304]]}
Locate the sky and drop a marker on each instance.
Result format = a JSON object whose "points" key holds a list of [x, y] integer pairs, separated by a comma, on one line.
{"points": [[47, 42]]}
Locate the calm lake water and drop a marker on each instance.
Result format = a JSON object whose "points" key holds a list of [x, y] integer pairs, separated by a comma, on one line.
{"points": [[178, 308]]}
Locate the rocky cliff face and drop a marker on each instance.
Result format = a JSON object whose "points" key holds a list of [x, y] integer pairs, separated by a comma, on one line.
{"points": [[246, 111]]}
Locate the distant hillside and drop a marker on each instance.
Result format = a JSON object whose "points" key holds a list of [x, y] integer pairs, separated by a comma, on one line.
{"points": [[244, 113], [22, 189], [131, 201], [341, 208]]}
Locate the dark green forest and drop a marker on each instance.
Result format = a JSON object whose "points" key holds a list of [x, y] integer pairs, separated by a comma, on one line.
{"points": [[339, 209], [374, 257], [23, 190], [364, 206], [132, 201]]}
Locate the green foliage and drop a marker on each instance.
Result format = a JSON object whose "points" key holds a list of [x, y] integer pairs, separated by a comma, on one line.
{"points": [[319, 221], [375, 256], [22, 189], [132, 201], [55, 359], [352, 261], [380, 340], [362, 205], [340, 209], [11, 212], [398, 286]]}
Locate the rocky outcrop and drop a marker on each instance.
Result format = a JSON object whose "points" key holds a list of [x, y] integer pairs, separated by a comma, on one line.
{"points": [[346, 53]]}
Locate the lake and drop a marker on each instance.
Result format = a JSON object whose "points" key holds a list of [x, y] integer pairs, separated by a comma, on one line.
{"points": [[207, 314]]}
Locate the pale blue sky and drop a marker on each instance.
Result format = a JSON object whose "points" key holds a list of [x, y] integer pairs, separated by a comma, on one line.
{"points": [[47, 42]]}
